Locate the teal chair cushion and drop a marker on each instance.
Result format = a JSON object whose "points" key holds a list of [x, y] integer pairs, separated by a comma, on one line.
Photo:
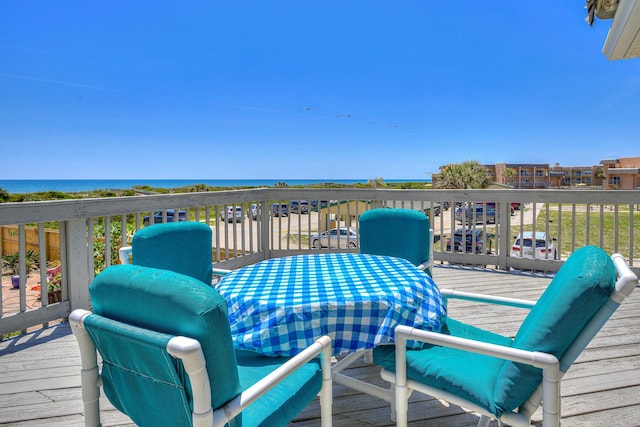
{"points": [[470, 376], [580, 288], [173, 304], [183, 247], [403, 233], [282, 403]]}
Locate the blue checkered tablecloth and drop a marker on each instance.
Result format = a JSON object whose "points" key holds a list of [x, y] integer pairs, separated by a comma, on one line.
{"points": [[280, 306]]}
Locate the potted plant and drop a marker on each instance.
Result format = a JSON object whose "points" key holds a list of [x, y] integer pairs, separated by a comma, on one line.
{"points": [[11, 266], [54, 284]]}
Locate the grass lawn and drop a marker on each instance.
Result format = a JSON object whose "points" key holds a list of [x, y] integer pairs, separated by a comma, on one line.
{"points": [[578, 226]]}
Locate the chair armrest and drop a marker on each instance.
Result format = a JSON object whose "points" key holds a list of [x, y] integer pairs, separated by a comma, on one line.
{"points": [[428, 263], [488, 299], [427, 266], [250, 395], [533, 358], [217, 274], [124, 253], [220, 271], [626, 279], [190, 352]]}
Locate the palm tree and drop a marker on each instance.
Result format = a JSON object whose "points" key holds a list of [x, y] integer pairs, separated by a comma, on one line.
{"points": [[468, 174], [509, 176]]}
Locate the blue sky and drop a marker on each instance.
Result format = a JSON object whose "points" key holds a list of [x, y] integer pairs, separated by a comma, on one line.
{"points": [[306, 89]]}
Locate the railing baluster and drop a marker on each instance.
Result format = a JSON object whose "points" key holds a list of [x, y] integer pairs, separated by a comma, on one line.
{"points": [[616, 226], [631, 234]]}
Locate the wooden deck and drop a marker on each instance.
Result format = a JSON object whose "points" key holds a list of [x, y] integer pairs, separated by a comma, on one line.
{"points": [[40, 372]]}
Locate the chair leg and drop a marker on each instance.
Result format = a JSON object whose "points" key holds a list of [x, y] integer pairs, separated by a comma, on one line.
{"points": [[326, 392], [393, 402], [402, 405], [89, 375], [484, 421]]}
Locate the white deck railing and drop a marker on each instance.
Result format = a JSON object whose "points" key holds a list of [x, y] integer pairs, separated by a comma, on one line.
{"points": [[90, 231]]}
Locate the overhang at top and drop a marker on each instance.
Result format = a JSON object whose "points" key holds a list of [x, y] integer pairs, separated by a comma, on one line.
{"points": [[623, 171], [623, 39]]}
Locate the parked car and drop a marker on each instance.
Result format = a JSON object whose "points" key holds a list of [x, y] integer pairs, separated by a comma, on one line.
{"points": [[253, 211], [493, 206], [299, 206], [544, 247], [478, 215], [280, 209], [232, 213], [319, 203], [336, 237], [463, 241], [157, 216], [435, 206]]}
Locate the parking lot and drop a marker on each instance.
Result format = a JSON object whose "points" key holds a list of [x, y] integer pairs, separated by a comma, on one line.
{"points": [[299, 227]]}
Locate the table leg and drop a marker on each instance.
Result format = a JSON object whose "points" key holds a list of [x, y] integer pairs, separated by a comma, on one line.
{"points": [[355, 384]]}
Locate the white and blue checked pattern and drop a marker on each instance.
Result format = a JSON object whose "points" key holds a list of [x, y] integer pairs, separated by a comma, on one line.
{"points": [[280, 306]]}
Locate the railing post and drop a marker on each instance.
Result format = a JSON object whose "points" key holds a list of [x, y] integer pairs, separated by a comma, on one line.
{"points": [[504, 231], [77, 268], [264, 241]]}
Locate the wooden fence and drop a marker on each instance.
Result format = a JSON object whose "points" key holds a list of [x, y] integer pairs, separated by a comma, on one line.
{"points": [[9, 241]]}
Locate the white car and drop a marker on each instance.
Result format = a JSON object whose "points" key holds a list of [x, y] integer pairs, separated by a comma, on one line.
{"points": [[543, 248], [253, 211], [232, 213], [336, 238]]}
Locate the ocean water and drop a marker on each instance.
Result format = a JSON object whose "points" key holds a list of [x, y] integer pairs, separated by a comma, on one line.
{"points": [[76, 185]]}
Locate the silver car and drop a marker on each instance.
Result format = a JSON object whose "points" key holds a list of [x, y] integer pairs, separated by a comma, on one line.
{"points": [[231, 214], [477, 215], [335, 238]]}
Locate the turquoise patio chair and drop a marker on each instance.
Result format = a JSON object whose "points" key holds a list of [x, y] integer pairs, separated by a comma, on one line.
{"points": [[508, 378], [183, 247], [402, 233], [168, 359]]}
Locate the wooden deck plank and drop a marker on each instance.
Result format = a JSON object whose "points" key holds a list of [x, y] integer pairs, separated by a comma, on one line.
{"points": [[40, 381]]}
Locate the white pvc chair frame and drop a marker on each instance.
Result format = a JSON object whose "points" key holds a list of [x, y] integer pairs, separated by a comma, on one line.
{"points": [[548, 392], [190, 352], [428, 264]]}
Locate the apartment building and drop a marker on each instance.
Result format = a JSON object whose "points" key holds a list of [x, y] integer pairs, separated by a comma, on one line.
{"points": [[621, 174], [575, 176], [614, 174], [520, 175]]}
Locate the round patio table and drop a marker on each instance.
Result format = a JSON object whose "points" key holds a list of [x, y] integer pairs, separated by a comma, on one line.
{"points": [[280, 306]]}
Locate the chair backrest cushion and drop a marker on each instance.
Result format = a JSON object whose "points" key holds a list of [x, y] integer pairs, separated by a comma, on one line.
{"points": [[402, 233], [580, 288], [183, 247], [174, 304]]}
